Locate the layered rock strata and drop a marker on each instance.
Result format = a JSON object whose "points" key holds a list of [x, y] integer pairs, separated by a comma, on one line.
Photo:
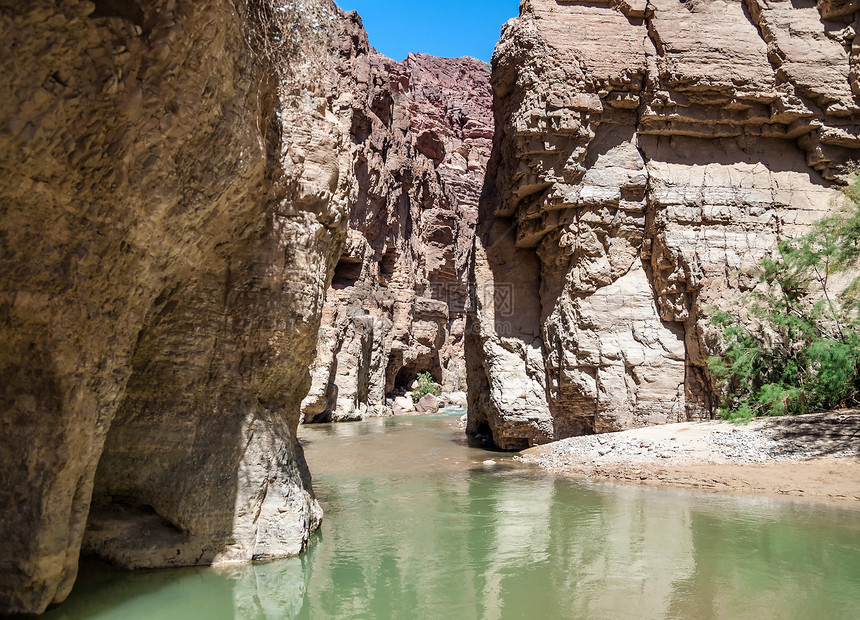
{"points": [[172, 211], [647, 154], [397, 303]]}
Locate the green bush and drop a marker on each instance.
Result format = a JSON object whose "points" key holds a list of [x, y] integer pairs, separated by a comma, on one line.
{"points": [[794, 347], [425, 386]]}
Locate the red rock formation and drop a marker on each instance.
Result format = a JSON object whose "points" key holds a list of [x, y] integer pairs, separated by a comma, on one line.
{"points": [[397, 302]]}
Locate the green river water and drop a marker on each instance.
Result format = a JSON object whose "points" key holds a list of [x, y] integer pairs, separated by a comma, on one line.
{"points": [[416, 526]]}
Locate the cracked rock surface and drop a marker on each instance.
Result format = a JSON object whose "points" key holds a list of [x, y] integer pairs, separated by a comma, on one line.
{"points": [[173, 205], [422, 132], [647, 154]]}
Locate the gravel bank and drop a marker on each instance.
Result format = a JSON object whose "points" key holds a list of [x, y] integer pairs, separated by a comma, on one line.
{"points": [[815, 456]]}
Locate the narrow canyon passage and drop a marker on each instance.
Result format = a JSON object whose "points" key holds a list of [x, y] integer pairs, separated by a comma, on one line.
{"points": [[417, 525], [222, 220]]}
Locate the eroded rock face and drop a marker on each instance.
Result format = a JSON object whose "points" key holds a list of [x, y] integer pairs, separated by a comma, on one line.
{"points": [[647, 154], [423, 133], [172, 211]]}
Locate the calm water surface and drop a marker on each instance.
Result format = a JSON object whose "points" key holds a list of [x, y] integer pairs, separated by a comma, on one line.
{"points": [[416, 526]]}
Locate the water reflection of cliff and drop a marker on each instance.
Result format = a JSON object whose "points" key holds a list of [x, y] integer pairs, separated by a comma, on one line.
{"points": [[417, 527], [421, 536], [266, 590]]}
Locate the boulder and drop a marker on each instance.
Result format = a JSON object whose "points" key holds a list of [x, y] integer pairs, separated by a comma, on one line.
{"points": [[427, 404], [403, 404]]}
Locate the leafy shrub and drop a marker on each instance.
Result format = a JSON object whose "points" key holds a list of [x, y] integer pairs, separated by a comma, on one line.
{"points": [[425, 386], [795, 346]]}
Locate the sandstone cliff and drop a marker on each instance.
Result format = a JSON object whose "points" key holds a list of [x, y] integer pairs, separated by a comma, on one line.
{"points": [[647, 153], [397, 303], [172, 210]]}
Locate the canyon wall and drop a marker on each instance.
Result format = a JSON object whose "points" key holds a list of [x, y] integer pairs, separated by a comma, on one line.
{"points": [[647, 154], [396, 307], [176, 183]]}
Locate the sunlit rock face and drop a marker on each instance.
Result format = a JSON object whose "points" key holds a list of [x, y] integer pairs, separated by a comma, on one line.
{"points": [[175, 194], [397, 303], [647, 154]]}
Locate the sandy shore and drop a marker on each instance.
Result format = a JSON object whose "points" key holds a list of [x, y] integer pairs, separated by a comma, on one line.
{"points": [[814, 457]]}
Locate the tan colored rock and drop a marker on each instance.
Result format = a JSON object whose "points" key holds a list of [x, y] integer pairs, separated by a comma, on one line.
{"points": [[172, 212], [458, 399], [427, 404], [645, 157], [403, 404], [396, 307]]}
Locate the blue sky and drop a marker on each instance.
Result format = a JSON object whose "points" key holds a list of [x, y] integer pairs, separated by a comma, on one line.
{"points": [[450, 28]]}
